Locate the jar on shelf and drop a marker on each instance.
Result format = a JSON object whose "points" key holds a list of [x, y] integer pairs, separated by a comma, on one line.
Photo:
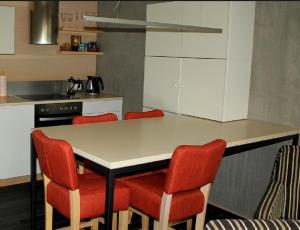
{"points": [[82, 47]]}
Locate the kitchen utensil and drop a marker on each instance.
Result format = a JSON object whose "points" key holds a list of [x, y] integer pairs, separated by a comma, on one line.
{"points": [[93, 85]]}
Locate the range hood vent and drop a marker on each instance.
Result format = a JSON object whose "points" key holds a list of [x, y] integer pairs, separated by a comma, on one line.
{"points": [[43, 22]]}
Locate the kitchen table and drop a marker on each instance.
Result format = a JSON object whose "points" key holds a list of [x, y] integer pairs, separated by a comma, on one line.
{"points": [[130, 146]]}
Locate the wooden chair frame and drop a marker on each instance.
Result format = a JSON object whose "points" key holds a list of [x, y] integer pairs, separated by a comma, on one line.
{"points": [[75, 223], [163, 223]]}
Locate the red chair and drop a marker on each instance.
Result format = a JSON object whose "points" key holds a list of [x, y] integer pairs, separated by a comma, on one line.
{"points": [[92, 119], [183, 191], [76, 196], [147, 114], [140, 115]]}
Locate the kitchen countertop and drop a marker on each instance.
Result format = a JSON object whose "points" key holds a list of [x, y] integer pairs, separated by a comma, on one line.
{"points": [[15, 100]]}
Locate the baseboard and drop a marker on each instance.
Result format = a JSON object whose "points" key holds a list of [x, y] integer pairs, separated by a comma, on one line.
{"points": [[17, 180]]}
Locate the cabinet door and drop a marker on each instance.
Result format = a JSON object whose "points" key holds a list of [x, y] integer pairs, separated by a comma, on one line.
{"points": [[161, 83], [206, 14], [202, 88], [16, 123], [93, 108], [164, 43], [7, 30]]}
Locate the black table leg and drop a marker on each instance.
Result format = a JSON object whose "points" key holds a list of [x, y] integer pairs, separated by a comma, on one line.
{"points": [[33, 183], [109, 199], [296, 139]]}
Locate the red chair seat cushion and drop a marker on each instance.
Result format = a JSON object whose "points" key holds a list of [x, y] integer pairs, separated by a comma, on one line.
{"points": [[92, 196], [146, 195]]}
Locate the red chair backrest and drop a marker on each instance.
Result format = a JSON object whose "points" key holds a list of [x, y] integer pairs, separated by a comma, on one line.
{"points": [[94, 119], [147, 114], [38, 139], [193, 166], [57, 160]]}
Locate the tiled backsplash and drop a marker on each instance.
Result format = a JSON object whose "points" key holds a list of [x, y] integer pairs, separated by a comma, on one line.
{"points": [[36, 87], [39, 87]]}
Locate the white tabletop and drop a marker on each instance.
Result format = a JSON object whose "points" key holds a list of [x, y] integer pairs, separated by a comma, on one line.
{"points": [[131, 142]]}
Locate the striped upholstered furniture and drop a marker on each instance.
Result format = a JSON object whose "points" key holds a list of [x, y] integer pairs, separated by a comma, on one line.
{"points": [[280, 206], [254, 224]]}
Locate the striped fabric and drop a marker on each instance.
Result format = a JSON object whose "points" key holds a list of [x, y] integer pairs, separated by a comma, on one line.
{"points": [[281, 200], [255, 224]]}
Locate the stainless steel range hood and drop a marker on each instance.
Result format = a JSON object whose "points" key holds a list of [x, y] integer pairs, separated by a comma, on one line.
{"points": [[43, 22]]}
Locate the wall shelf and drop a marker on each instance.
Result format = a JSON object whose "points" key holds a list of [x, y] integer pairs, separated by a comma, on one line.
{"points": [[126, 25], [80, 53], [84, 30]]}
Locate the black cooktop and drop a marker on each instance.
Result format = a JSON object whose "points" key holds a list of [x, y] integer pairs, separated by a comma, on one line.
{"points": [[41, 97]]}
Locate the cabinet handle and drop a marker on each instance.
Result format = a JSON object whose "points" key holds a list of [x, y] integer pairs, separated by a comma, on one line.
{"points": [[175, 85]]}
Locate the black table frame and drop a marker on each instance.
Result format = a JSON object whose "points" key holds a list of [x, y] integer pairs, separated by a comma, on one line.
{"points": [[111, 174]]}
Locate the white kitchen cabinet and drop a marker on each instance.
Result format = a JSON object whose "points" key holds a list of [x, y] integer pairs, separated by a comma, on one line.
{"points": [[16, 123], [202, 88], [197, 13], [181, 85], [164, 43], [204, 75], [211, 14], [161, 83], [92, 108], [7, 30]]}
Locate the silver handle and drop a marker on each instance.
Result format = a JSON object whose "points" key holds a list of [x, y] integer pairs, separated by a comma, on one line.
{"points": [[55, 118]]}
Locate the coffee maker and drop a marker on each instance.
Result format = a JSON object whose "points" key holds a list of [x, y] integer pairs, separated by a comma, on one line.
{"points": [[94, 84]]}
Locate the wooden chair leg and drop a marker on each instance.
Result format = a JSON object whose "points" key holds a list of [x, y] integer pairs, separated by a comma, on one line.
{"points": [[48, 207], [200, 218], [145, 222], [48, 216], [155, 225], [123, 220], [114, 221], [75, 209], [80, 168], [130, 213], [165, 211], [95, 224], [189, 224]]}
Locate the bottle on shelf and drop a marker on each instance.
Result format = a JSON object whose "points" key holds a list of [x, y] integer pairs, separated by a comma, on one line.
{"points": [[3, 84], [75, 42]]}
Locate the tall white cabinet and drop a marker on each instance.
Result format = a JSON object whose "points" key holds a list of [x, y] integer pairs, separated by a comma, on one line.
{"points": [[16, 122], [7, 30], [200, 74]]}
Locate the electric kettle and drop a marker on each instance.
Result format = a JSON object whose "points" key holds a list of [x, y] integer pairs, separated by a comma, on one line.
{"points": [[93, 85]]}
